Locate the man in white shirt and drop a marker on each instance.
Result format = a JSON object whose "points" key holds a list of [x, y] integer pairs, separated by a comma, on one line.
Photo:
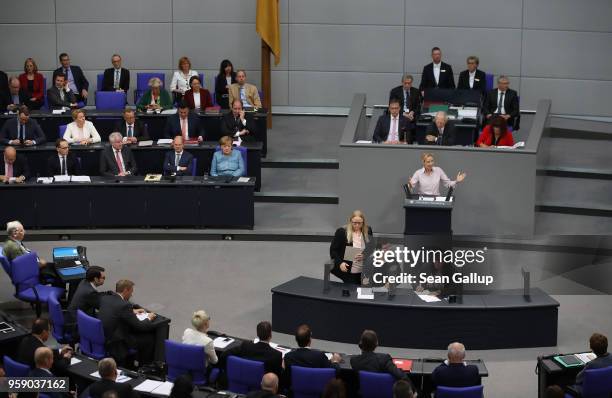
{"points": [[116, 78], [393, 128], [437, 74], [504, 102]]}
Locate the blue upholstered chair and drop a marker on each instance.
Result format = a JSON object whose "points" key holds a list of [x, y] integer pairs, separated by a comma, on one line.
{"points": [[243, 375], [14, 368], [142, 83], [459, 392], [375, 385], [110, 100], [60, 331], [91, 335], [310, 382]]}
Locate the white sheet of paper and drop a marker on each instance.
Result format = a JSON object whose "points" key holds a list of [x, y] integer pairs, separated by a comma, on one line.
{"points": [[363, 142], [586, 357], [350, 252], [45, 180], [222, 342], [142, 316], [74, 361], [123, 378], [61, 178], [148, 385], [243, 179], [57, 111], [164, 388], [145, 143], [428, 299], [169, 111], [365, 293], [81, 179], [329, 355], [96, 374], [164, 141]]}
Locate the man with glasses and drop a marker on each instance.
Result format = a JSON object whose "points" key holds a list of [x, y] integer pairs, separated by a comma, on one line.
{"points": [[503, 102], [130, 128], [22, 130], [87, 297], [64, 162], [473, 78]]}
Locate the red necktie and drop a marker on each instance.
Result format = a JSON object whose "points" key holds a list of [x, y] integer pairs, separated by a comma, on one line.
{"points": [[119, 162], [184, 132], [9, 170]]}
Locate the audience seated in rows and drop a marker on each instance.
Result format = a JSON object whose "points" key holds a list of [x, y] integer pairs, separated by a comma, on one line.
{"points": [[132, 129], [16, 97], [87, 296]]}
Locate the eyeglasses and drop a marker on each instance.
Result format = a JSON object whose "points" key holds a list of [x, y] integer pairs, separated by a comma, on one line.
{"points": [[357, 222]]}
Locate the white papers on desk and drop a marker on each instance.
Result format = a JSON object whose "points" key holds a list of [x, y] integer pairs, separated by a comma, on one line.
{"points": [[81, 179], [45, 180], [164, 389], [363, 142], [148, 385], [244, 179], [142, 316], [120, 378], [222, 342], [520, 144], [57, 111], [61, 178], [329, 355], [586, 357], [427, 198], [169, 111], [145, 143], [365, 293], [467, 112], [164, 141], [74, 361], [428, 298]]}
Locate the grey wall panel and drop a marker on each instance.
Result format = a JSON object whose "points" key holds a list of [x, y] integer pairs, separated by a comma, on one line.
{"points": [[499, 50], [580, 55], [149, 45], [345, 48], [586, 15], [280, 87], [29, 40], [357, 12], [114, 11], [337, 88], [573, 97], [241, 45], [467, 13], [33, 11], [220, 11]]}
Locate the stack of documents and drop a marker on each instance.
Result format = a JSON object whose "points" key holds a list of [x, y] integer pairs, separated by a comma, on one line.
{"points": [[80, 179], [164, 141], [222, 342], [120, 378], [155, 387], [365, 293], [467, 113]]}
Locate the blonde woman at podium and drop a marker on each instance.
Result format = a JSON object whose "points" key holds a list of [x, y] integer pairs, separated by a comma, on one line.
{"points": [[349, 263], [427, 180]]}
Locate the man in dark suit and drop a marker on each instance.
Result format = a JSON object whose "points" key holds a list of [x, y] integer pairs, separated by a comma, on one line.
{"points": [[237, 124], [43, 359], [178, 162], [599, 345], [16, 96], [4, 89], [437, 74], [107, 368], [410, 98], [22, 130], [440, 132], [13, 166], [454, 372], [86, 297], [305, 356], [74, 76], [504, 102], [371, 361], [59, 96], [116, 78], [117, 159], [185, 124], [260, 351], [269, 387], [29, 344], [131, 129], [392, 127], [473, 78], [64, 162], [122, 329]]}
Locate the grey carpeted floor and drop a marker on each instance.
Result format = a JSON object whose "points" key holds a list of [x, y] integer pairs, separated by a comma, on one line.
{"points": [[232, 280]]}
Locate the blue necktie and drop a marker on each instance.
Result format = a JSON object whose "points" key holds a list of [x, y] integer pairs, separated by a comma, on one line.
{"points": [[22, 134], [130, 133]]}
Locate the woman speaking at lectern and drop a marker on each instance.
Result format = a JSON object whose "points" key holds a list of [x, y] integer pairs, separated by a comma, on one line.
{"points": [[427, 179], [350, 235]]}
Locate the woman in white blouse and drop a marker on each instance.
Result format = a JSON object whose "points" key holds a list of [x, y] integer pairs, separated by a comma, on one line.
{"points": [[427, 179], [197, 336], [180, 78], [81, 131]]}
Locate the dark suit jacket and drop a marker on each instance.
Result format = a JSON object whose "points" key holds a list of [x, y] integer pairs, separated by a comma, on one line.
{"points": [[511, 104], [124, 390], [455, 375], [86, 299], [54, 100], [428, 80], [205, 99], [221, 92], [376, 362], [10, 131], [603, 361], [54, 166], [381, 131], [261, 394], [173, 126], [108, 164], [336, 252], [186, 160], [7, 100], [480, 81], [415, 99], [119, 323], [20, 167], [307, 358], [448, 138], [260, 351], [79, 78], [108, 82], [230, 125], [4, 88], [140, 130], [25, 354], [37, 372]]}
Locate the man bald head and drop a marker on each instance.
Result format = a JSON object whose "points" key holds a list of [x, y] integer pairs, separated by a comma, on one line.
{"points": [[456, 352], [10, 154], [269, 382], [43, 358]]}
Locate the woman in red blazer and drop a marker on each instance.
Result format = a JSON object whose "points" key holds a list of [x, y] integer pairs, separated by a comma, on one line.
{"points": [[495, 134], [190, 97], [32, 83]]}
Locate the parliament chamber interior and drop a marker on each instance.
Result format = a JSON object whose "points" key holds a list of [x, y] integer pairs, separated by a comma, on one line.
{"points": [[284, 198]]}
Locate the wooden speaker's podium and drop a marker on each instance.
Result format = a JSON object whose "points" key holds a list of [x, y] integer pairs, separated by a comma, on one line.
{"points": [[428, 215]]}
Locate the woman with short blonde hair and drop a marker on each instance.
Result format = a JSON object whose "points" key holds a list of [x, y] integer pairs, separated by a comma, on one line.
{"points": [[355, 233], [81, 131], [197, 336], [181, 77]]}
